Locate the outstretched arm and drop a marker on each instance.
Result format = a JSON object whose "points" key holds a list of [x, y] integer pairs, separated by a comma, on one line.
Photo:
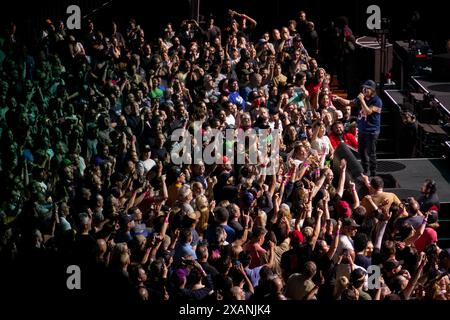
{"points": [[343, 168]]}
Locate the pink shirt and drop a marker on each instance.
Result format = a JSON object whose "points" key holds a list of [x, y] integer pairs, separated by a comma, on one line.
{"points": [[256, 252]]}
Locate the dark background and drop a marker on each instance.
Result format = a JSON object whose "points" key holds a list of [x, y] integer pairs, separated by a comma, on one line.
{"points": [[152, 15]]}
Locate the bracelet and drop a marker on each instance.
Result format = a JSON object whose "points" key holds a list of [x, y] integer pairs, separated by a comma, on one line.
{"points": [[305, 165]]}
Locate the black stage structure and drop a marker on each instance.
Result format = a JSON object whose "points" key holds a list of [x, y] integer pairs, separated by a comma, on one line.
{"points": [[429, 100]]}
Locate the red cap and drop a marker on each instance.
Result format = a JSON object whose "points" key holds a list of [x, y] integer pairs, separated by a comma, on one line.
{"points": [[343, 209], [296, 237], [433, 208]]}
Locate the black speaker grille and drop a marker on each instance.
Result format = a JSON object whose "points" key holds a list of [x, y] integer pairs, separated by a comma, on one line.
{"points": [[389, 166]]}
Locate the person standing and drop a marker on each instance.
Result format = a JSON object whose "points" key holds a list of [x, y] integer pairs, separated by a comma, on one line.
{"points": [[369, 124]]}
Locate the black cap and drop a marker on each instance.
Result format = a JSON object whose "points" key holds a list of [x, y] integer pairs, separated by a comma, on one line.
{"points": [[124, 219], [173, 174], [357, 275], [370, 84], [391, 265], [349, 222]]}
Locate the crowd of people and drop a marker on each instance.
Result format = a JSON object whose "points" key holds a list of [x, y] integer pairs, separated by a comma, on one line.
{"points": [[87, 177]]}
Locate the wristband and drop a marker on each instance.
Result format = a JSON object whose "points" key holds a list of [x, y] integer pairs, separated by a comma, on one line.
{"points": [[305, 165], [167, 219]]}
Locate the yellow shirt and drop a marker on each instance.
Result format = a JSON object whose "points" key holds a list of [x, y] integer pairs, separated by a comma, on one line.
{"points": [[378, 199]]}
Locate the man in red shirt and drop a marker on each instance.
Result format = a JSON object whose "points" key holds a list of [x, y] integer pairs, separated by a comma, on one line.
{"points": [[337, 135]]}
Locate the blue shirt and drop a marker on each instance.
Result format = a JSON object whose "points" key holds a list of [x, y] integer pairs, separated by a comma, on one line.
{"points": [[372, 122], [236, 98]]}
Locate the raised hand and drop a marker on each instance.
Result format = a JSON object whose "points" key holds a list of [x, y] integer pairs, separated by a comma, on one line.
{"points": [[343, 165], [352, 185], [338, 226], [319, 213]]}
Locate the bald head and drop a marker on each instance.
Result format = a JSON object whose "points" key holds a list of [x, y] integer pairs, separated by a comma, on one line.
{"points": [[237, 293]]}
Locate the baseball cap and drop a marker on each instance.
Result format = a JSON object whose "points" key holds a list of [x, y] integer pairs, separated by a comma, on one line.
{"points": [[343, 209], [370, 84], [357, 275], [296, 237], [247, 198], [391, 264], [124, 219], [349, 222], [174, 173]]}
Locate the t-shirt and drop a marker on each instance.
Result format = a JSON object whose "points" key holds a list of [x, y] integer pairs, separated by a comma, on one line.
{"points": [[348, 138], [236, 225], [256, 252], [236, 98], [378, 199], [253, 275], [344, 243], [321, 145], [294, 259], [427, 202], [363, 261], [64, 224], [414, 221], [428, 237], [370, 123], [143, 167]]}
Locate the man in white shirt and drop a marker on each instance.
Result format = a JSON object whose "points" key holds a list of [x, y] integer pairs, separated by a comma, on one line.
{"points": [[146, 164], [349, 229]]}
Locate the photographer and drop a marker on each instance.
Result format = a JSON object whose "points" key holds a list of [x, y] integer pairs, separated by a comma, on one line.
{"points": [[369, 124]]}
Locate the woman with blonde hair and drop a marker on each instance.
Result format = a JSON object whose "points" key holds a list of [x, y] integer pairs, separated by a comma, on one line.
{"points": [[203, 206], [321, 143]]}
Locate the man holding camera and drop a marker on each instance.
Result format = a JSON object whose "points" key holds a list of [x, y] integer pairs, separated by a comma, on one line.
{"points": [[369, 123]]}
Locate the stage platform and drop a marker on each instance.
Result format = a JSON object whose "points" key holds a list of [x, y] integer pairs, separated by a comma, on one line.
{"points": [[406, 176], [440, 90], [409, 174]]}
